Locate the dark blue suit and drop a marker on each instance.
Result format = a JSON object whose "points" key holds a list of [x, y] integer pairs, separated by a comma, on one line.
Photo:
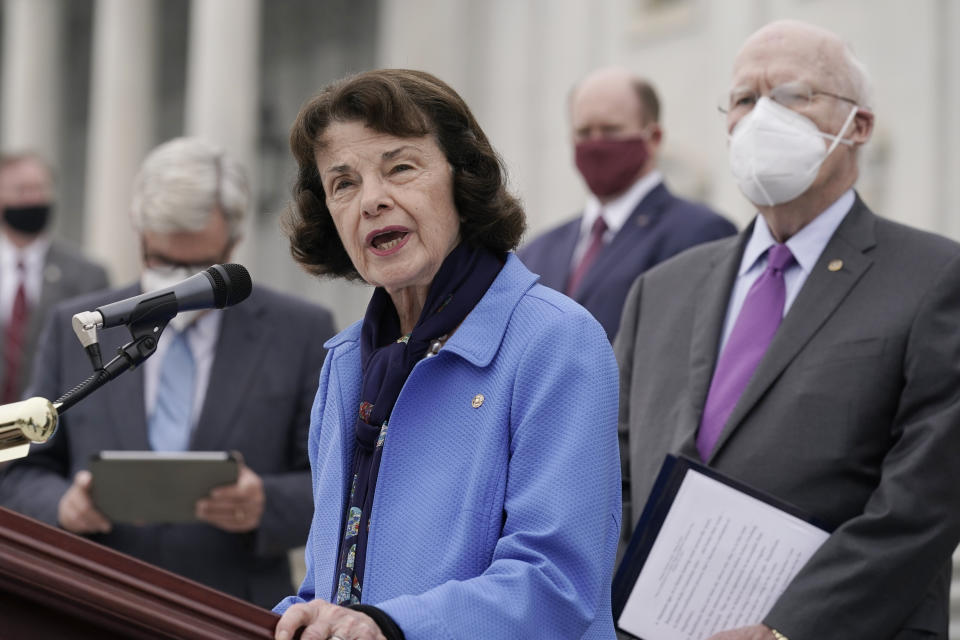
{"points": [[661, 226]]}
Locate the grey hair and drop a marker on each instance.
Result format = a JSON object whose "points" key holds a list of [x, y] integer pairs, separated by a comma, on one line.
{"points": [[859, 77], [182, 181]]}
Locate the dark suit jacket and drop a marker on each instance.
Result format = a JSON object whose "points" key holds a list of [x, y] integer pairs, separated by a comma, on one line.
{"points": [[661, 226], [261, 388], [66, 274], [853, 415]]}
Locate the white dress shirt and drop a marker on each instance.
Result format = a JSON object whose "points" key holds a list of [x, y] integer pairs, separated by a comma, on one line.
{"points": [[806, 246], [202, 337], [33, 256]]}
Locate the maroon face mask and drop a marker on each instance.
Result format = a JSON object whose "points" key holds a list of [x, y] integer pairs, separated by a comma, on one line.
{"points": [[610, 166]]}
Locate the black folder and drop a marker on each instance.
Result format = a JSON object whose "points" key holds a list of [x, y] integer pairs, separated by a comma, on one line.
{"points": [[658, 506]]}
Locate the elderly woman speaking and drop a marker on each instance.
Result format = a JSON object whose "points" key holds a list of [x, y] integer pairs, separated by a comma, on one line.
{"points": [[463, 438]]}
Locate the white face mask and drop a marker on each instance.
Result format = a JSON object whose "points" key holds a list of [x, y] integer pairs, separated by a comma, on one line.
{"points": [[776, 153], [155, 279]]}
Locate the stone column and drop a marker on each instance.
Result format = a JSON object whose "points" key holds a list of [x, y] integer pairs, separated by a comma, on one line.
{"points": [[223, 72], [29, 96], [121, 128]]}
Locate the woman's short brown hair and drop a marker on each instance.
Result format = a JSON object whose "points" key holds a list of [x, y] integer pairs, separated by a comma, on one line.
{"points": [[405, 104]]}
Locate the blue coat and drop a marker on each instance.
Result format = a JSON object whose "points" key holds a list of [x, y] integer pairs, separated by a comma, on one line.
{"points": [[491, 520], [661, 226]]}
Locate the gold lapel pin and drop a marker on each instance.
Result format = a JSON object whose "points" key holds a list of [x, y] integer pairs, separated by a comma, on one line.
{"points": [[52, 273], [835, 265], [477, 401]]}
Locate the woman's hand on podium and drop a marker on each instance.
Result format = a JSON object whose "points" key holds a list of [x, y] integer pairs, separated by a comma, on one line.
{"points": [[76, 512], [236, 508], [324, 621]]}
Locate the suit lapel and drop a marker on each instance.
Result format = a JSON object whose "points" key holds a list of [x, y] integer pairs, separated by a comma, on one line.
{"points": [[633, 232], [126, 403], [125, 393], [557, 270], [51, 291], [713, 296], [237, 357], [820, 296]]}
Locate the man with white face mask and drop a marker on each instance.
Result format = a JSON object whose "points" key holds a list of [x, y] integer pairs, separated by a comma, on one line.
{"points": [[616, 135], [814, 357], [241, 379]]}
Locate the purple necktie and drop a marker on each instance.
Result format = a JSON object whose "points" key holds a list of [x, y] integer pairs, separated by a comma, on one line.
{"points": [[590, 256], [752, 332]]}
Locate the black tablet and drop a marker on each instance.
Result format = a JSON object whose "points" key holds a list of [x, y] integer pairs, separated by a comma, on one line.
{"points": [[152, 487]]}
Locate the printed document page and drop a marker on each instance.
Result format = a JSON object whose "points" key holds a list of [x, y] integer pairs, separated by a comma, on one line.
{"points": [[720, 561]]}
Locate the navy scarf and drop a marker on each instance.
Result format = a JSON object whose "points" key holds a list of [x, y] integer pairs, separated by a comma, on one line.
{"points": [[387, 359]]}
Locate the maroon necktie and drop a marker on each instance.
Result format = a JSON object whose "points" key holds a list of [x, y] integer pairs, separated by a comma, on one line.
{"points": [[590, 256], [16, 334], [752, 332]]}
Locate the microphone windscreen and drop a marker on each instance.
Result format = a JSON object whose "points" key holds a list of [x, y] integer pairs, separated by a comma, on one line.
{"points": [[231, 284]]}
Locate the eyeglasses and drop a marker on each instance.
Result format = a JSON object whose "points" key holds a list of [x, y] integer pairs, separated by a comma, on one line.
{"points": [[792, 95], [165, 264]]}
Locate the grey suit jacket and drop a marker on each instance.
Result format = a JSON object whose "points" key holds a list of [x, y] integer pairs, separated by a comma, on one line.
{"points": [[261, 388], [853, 415], [66, 274]]}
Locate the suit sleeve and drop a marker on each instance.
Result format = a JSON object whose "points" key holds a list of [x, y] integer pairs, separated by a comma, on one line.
{"points": [[550, 573], [623, 349], [714, 229], [289, 495], [872, 573], [34, 485]]}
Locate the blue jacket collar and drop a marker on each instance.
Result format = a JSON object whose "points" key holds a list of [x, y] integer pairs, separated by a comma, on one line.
{"points": [[479, 337]]}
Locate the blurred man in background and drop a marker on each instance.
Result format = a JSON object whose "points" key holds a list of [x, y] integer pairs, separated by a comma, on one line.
{"points": [[631, 221], [35, 271], [238, 380]]}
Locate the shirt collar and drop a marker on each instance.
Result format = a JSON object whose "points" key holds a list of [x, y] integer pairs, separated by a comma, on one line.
{"points": [[617, 211], [203, 333], [33, 255], [807, 244]]}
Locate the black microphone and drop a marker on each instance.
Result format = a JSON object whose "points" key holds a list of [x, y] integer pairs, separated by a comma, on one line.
{"points": [[221, 285]]}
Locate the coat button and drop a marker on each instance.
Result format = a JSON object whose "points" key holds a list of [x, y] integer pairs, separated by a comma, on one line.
{"points": [[477, 401]]}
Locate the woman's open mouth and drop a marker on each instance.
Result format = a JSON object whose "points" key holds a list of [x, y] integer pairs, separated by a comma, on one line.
{"points": [[386, 241]]}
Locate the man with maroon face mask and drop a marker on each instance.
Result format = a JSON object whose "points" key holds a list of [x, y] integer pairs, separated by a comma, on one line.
{"points": [[631, 221]]}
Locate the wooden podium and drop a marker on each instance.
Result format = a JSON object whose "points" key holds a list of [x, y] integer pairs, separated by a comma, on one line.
{"points": [[54, 584]]}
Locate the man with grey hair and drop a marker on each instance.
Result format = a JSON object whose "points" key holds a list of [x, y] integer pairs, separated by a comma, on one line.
{"points": [[816, 357], [238, 380]]}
